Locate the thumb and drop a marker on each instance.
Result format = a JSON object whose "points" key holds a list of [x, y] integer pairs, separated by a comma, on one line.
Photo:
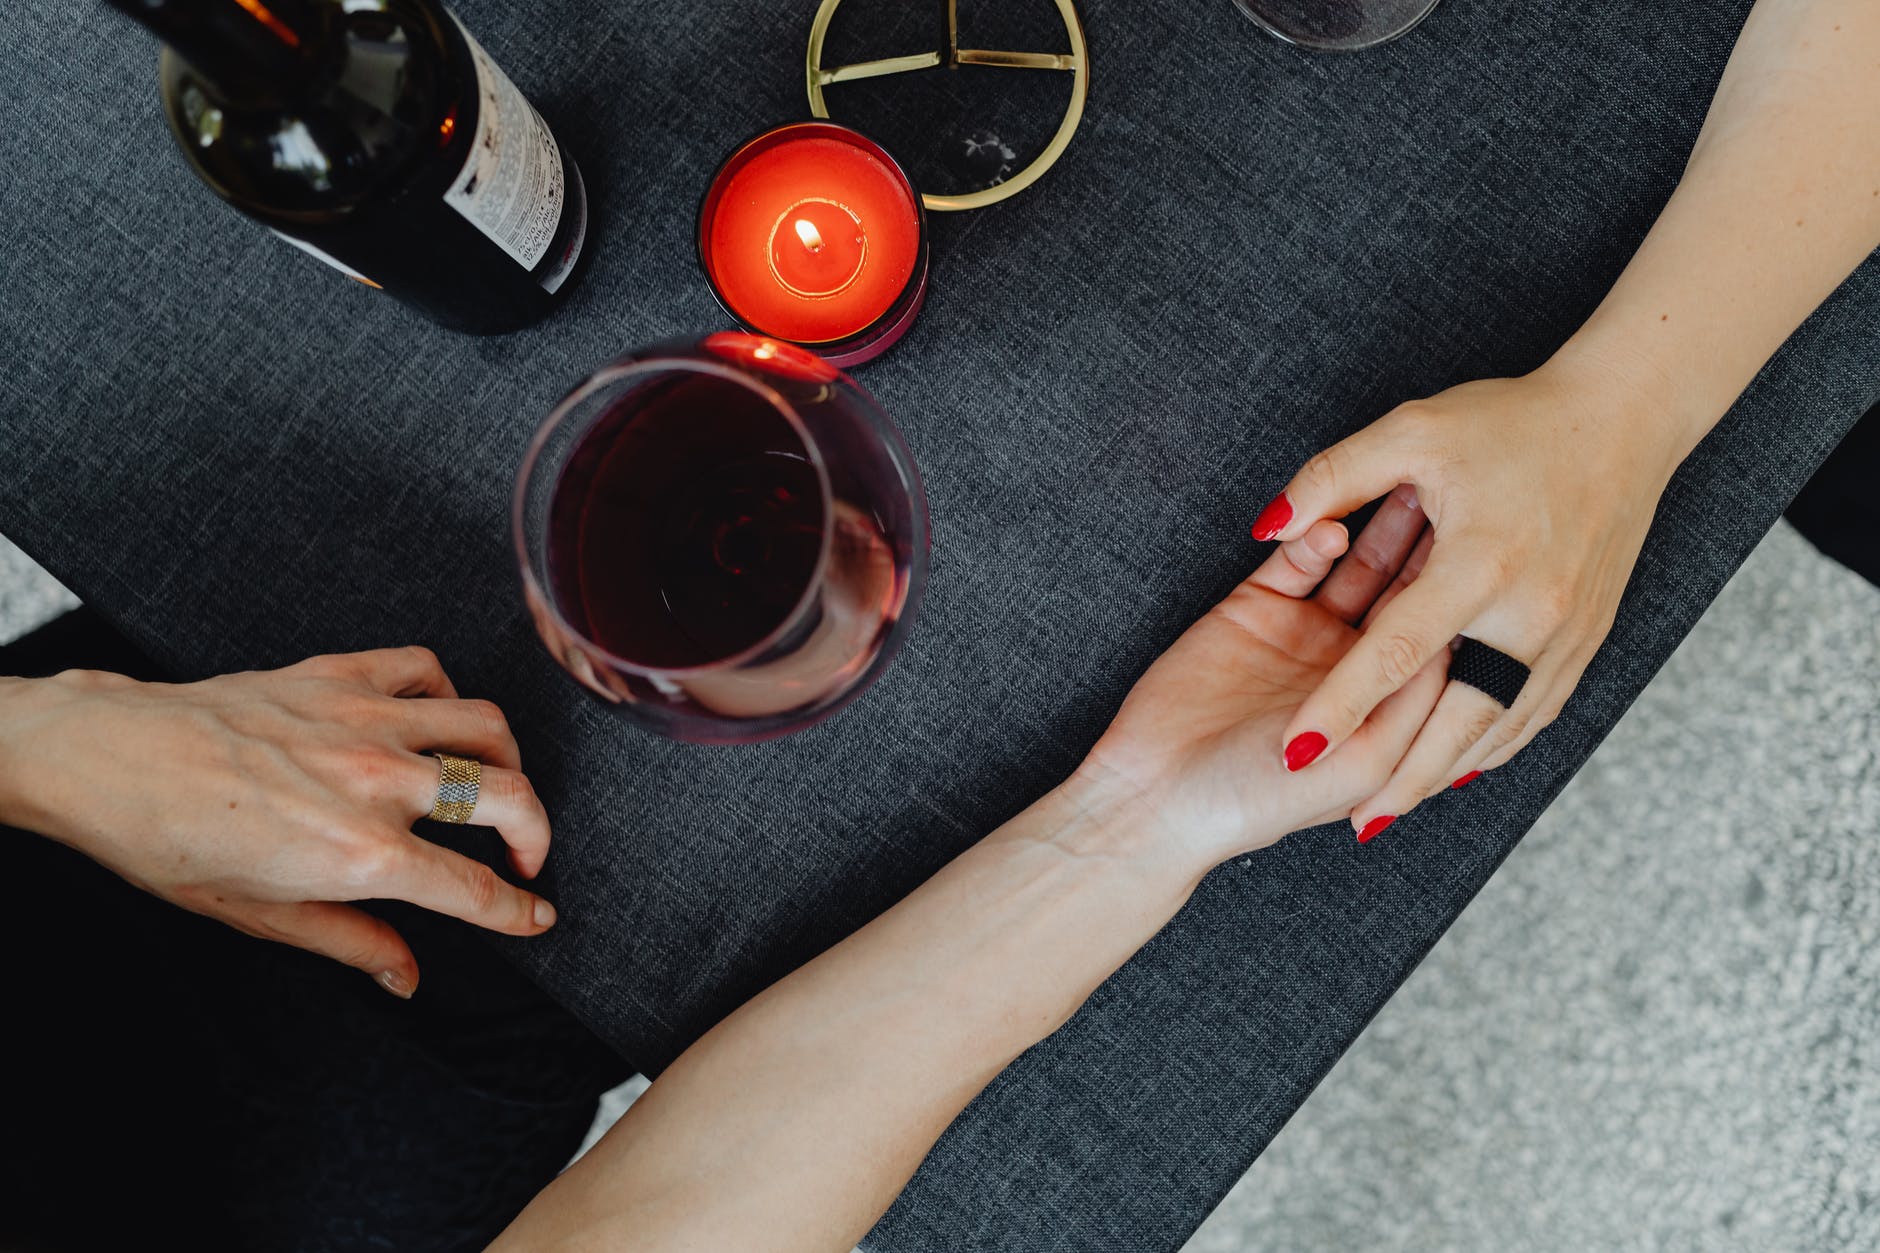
{"points": [[349, 936], [1345, 476]]}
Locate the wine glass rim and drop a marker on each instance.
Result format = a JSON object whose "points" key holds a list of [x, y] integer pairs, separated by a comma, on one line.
{"points": [[1283, 36], [667, 360]]}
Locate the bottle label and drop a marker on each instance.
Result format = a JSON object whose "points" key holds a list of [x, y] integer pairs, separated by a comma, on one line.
{"points": [[558, 273], [327, 257], [511, 186]]}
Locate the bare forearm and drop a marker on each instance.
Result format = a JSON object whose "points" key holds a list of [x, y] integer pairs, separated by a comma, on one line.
{"points": [[793, 1123], [1778, 205]]}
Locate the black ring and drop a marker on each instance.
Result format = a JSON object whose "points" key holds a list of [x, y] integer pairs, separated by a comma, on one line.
{"points": [[1488, 670]]}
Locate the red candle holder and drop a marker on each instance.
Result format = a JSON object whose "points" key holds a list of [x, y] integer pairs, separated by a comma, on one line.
{"points": [[811, 233]]}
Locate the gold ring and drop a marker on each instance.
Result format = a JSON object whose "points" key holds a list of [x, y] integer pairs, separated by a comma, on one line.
{"points": [[458, 779]]}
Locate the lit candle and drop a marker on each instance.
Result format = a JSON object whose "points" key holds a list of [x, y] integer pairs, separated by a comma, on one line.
{"points": [[812, 233]]}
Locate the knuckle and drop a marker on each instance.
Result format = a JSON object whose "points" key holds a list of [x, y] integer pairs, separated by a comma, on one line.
{"points": [[1479, 723], [1509, 730], [1505, 564], [482, 889], [505, 788], [424, 659], [526, 796], [362, 952], [1415, 417], [371, 767], [490, 719], [1554, 598], [1347, 711], [367, 860], [1399, 657], [348, 701], [1324, 470], [350, 669]]}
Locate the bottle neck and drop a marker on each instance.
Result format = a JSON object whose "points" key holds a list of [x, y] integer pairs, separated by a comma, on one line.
{"points": [[254, 50]]}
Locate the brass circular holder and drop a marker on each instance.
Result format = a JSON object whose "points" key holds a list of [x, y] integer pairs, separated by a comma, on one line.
{"points": [[1077, 61]]}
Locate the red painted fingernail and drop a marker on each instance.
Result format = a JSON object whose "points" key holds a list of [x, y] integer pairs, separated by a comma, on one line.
{"points": [[1304, 750], [1470, 777], [1273, 518], [1372, 827]]}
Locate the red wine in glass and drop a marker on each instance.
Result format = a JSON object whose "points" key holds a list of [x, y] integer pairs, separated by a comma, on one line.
{"points": [[725, 539], [687, 526]]}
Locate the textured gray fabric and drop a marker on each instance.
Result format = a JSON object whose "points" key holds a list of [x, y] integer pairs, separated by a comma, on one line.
{"points": [[1249, 252]]}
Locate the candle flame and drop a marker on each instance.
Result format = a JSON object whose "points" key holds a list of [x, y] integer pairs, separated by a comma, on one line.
{"points": [[811, 237]]}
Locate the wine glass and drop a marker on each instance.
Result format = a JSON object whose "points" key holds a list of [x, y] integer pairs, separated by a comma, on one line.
{"points": [[724, 538], [1340, 25]]}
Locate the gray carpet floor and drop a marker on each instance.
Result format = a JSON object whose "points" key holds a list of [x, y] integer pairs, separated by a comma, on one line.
{"points": [[1659, 1025], [28, 596]]}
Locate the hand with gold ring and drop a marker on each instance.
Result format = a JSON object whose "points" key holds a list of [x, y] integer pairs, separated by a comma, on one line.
{"points": [[269, 799]]}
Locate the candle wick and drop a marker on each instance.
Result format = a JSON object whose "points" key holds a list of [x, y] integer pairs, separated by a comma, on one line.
{"points": [[811, 237]]}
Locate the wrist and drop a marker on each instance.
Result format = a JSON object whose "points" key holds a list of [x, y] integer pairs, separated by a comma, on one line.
{"points": [[1632, 385], [1098, 811], [31, 761], [20, 702]]}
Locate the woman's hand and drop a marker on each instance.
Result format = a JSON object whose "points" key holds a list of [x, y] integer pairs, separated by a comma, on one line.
{"points": [[1539, 492], [1191, 752], [262, 799], [1540, 489]]}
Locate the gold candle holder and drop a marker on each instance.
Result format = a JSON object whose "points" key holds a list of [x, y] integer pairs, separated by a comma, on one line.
{"points": [[1076, 62]]}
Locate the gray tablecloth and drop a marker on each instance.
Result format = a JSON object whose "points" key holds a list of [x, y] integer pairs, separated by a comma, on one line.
{"points": [[1249, 252]]}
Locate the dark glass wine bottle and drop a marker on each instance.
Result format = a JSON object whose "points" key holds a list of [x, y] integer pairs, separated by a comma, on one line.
{"points": [[378, 136]]}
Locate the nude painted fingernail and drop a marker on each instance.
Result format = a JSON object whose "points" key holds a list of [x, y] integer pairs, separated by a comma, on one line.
{"points": [[1273, 518], [1470, 777], [544, 913], [1304, 750], [1373, 827], [395, 983]]}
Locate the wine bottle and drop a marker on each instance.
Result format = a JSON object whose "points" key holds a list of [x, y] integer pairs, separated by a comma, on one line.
{"points": [[378, 136]]}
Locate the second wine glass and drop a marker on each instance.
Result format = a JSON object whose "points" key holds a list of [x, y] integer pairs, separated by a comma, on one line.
{"points": [[1336, 25]]}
